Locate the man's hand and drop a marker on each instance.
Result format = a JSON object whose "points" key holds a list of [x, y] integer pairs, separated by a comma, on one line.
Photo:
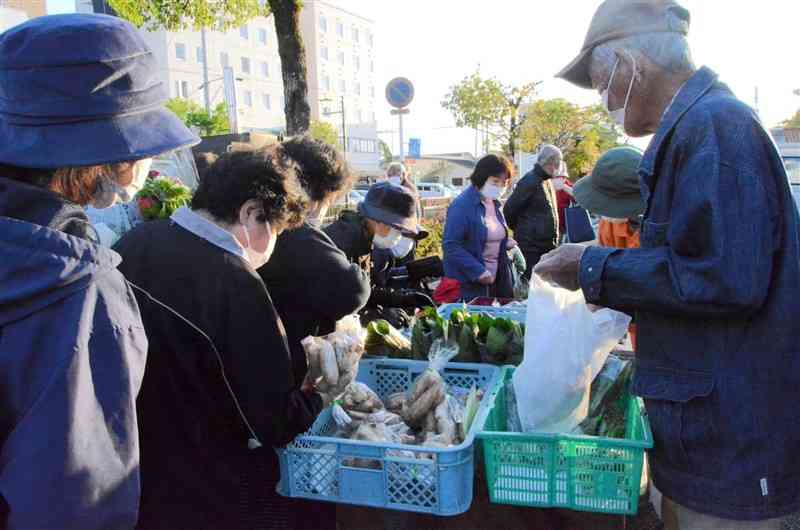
{"points": [[486, 278], [511, 243], [562, 266]]}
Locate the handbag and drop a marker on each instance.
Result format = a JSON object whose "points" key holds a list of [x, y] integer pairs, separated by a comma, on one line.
{"points": [[579, 226]]}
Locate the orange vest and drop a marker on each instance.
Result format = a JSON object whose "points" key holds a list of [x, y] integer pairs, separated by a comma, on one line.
{"points": [[619, 235]]}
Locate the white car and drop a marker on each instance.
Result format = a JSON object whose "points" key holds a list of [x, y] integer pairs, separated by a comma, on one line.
{"points": [[352, 199], [432, 190]]}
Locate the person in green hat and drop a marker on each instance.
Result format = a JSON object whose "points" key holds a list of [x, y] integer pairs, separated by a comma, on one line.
{"points": [[612, 191]]}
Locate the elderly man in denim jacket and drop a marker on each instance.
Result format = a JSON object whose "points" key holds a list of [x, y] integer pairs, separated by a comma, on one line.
{"points": [[716, 285]]}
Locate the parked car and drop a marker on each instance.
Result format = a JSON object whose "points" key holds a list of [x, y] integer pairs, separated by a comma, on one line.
{"points": [[793, 170], [432, 190], [351, 199]]}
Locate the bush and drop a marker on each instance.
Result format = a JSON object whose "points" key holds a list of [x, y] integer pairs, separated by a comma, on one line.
{"points": [[432, 245]]}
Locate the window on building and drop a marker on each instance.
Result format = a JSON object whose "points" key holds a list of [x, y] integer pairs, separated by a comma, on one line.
{"points": [[180, 51], [372, 67], [340, 29], [355, 34], [457, 182], [262, 36], [200, 54], [371, 40], [244, 32], [341, 58], [356, 62], [326, 82], [245, 65], [323, 24], [248, 98], [342, 86], [266, 100], [324, 52], [224, 59], [177, 89], [265, 69], [357, 89], [372, 91], [360, 116], [184, 89]]}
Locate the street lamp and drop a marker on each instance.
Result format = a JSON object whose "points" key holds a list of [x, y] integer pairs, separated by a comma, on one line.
{"points": [[344, 122]]}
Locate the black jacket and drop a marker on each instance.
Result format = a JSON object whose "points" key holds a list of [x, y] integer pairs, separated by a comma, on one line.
{"points": [[313, 285], [197, 399], [531, 212]]}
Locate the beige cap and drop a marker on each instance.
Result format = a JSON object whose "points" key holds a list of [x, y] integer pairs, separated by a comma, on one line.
{"points": [[617, 19]]}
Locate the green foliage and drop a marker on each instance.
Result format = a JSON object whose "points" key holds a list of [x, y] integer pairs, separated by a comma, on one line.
{"points": [[794, 121], [160, 197], [325, 132], [489, 104], [193, 115], [582, 133], [176, 15], [386, 152], [431, 245]]}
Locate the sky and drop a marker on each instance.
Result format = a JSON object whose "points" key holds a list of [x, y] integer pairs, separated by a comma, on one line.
{"points": [[436, 43]]}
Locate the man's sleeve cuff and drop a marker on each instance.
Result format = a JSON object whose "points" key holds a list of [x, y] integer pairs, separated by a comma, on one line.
{"points": [[593, 262]]}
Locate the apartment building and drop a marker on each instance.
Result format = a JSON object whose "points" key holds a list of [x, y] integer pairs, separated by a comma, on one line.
{"points": [[31, 8]]}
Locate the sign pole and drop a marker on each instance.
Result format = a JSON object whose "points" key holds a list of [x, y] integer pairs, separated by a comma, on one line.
{"points": [[402, 147]]}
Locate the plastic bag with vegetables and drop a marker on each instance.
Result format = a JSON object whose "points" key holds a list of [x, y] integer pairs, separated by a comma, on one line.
{"points": [[428, 391], [427, 326], [608, 400], [333, 359], [356, 405], [383, 340], [462, 330]]}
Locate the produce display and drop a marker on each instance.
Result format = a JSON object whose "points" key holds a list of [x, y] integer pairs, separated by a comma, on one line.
{"points": [[333, 359], [478, 337], [383, 340], [160, 197]]}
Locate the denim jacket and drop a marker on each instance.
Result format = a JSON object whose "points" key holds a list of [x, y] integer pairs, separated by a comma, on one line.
{"points": [[716, 293], [464, 239]]}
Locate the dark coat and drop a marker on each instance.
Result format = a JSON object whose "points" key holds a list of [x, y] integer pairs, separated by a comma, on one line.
{"points": [[716, 292], [72, 358], [211, 386], [532, 213], [312, 284]]}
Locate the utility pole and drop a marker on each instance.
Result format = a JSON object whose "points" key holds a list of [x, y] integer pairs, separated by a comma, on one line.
{"points": [[344, 131], [206, 94]]}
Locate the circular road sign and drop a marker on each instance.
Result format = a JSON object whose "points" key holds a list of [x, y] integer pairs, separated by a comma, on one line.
{"points": [[399, 92]]}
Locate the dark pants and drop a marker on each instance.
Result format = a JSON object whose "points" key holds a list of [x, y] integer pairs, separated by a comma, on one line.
{"points": [[532, 257]]}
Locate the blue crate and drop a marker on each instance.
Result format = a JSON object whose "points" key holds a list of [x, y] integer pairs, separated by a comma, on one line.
{"points": [[318, 466], [515, 313]]}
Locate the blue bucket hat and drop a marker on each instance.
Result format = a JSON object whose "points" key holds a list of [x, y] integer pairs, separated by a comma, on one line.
{"points": [[82, 90]]}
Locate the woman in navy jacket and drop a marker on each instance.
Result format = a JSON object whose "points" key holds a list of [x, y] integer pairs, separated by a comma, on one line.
{"points": [[476, 236]]}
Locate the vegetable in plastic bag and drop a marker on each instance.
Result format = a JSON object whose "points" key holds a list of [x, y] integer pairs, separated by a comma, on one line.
{"points": [[428, 390], [608, 400], [428, 326], [383, 340]]}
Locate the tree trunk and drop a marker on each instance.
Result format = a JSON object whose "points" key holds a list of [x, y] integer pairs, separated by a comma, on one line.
{"points": [[293, 64]]}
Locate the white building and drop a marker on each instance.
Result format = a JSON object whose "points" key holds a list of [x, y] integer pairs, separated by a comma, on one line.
{"points": [[340, 59]]}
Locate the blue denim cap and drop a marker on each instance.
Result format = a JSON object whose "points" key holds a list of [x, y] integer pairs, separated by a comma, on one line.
{"points": [[82, 90], [394, 206]]}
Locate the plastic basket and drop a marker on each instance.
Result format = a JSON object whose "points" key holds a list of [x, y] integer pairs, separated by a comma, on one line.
{"points": [[399, 477], [585, 473], [515, 313]]}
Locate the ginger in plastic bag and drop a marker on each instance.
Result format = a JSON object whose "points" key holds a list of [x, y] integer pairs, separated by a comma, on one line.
{"points": [[356, 405]]}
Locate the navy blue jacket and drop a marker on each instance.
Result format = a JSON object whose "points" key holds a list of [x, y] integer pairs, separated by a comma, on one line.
{"points": [[465, 236], [716, 291], [72, 358]]}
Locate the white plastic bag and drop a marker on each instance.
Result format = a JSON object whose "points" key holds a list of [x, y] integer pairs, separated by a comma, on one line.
{"points": [[566, 345]]}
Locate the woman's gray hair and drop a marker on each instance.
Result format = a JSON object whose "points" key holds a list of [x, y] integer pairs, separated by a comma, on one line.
{"points": [[396, 168], [549, 154], [669, 51]]}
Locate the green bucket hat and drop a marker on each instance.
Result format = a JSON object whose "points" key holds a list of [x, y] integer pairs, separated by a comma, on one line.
{"points": [[613, 190]]}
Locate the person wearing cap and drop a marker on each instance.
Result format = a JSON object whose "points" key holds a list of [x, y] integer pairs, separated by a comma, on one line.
{"points": [[532, 211], [715, 285], [476, 239], [562, 186], [612, 191], [385, 217], [81, 116]]}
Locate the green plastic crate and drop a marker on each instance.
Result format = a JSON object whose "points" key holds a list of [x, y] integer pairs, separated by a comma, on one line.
{"points": [[585, 473]]}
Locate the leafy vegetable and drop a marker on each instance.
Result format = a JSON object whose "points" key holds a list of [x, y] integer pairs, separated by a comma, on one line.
{"points": [[160, 197], [384, 340]]}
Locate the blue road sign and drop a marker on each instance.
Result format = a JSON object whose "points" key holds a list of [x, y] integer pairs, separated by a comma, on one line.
{"points": [[399, 92], [414, 147]]}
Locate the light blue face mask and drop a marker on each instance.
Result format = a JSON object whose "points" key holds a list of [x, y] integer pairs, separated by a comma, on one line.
{"points": [[387, 241], [402, 248]]}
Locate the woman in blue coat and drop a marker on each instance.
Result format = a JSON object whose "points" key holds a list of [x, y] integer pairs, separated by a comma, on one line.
{"points": [[476, 238]]}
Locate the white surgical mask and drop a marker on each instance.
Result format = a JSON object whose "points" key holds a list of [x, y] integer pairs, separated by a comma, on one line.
{"points": [[389, 240], [490, 191], [109, 192], [397, 181], [619, 115], [316, 217], [402, 248], [255, 258], [558, 183]]}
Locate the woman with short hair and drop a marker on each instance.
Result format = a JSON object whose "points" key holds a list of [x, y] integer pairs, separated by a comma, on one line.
{"points": [[81, 116]]}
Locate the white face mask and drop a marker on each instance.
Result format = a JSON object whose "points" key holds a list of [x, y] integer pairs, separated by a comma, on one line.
{"points": [[316, 217], [490, 191], [255, 258], [558, 183], [397, 181], [619, 115], [389, 240], [109, 192], [402, 248]]}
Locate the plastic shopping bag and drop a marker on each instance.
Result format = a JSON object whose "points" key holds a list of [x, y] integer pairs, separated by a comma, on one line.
{"points": [[566, 345]]}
